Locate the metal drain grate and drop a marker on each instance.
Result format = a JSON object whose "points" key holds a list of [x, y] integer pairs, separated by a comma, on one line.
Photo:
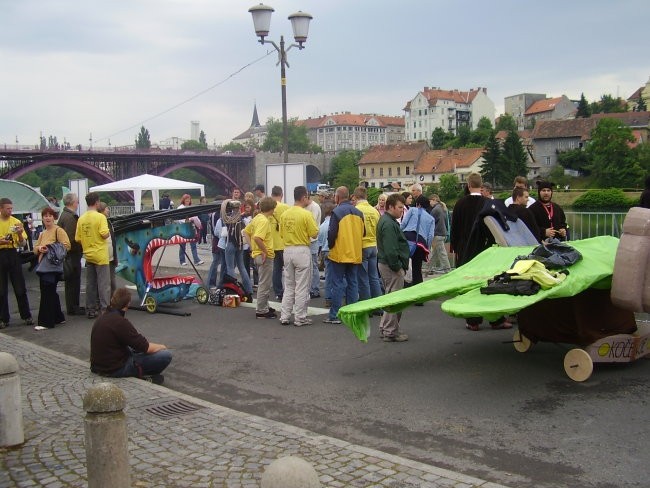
{"points": [[173, 409]]}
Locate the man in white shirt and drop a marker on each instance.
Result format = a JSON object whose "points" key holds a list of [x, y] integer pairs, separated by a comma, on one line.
{"points": [[520, 182]]}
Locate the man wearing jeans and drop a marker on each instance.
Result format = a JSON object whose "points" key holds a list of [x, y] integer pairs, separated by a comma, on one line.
{"points": [[92, 232], [278, 243], [118, 350], [368, 277], [344, 238]]}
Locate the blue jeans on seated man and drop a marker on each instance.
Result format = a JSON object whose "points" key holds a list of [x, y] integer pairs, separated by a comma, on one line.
{"points": [[344, 283], [369, 283], [141, 364], [235, 257]]}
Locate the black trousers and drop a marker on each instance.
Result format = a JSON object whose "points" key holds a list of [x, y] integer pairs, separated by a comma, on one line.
{"points": [[416, 265], [72, 276], [11, 270], [49, 310]]}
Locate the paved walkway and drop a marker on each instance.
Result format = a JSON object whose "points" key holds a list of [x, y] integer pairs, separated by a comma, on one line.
{"points": [[178, 440]]}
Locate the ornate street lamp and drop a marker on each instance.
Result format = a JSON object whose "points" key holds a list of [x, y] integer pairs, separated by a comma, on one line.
{"points": [[300, 24]]}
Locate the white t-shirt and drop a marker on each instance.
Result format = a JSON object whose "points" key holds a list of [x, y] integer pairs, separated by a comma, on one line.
{"points": [[509, 201]]}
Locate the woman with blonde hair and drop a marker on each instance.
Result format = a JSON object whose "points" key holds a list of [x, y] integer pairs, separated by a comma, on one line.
{"points": [[381, 203]]}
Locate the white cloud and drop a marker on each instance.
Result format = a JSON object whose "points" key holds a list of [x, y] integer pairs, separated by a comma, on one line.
{"points": [[71, 68]]}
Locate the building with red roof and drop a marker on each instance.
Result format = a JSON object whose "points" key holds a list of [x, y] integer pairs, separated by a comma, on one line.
{"points": [[448, 109]]}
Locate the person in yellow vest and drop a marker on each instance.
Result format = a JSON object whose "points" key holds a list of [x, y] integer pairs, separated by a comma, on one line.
{"points": [[92, 232], [261, 241], [278, 243], [298, 227], [12, 238]]}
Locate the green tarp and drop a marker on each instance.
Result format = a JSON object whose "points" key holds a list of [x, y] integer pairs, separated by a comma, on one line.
{"points": [[594, 270], [24, 198]]}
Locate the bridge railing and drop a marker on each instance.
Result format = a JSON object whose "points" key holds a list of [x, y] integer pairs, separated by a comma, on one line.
{"points": [[583, 225]]}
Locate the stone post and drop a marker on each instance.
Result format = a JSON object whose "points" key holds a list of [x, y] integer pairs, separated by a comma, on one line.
{"points": [[11, 413], [290, 472], [107, 457]]}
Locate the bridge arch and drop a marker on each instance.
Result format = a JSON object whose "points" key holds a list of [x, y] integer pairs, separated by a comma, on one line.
{"points": [[87, 170], [221, 176], [313, 174]]}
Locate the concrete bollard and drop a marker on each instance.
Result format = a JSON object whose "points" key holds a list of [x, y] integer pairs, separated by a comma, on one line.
{"points": [[107, 456], [290, 472], [11, 412]]}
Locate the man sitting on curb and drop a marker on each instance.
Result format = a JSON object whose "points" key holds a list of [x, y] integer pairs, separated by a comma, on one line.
{"points": [[118, 350]]}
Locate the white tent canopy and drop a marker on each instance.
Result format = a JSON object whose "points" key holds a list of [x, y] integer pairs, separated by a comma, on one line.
{"points": [[146, 182]]}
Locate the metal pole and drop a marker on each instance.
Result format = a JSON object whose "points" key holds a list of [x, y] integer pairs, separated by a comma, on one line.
{"points": [[283, 82]]}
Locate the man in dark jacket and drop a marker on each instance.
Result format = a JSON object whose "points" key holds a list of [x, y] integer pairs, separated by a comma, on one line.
{"points": [[549, 215], [463, 220], [393, 261], [118, 350], [72, 263], [520, 209]]}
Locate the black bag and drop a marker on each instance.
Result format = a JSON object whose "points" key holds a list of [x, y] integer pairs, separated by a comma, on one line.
{"points": [[504, 284]]}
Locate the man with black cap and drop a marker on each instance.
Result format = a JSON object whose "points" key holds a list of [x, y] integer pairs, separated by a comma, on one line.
{"points": [[549, 216]]}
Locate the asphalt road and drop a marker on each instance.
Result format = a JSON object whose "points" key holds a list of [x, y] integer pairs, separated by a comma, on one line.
{"points": [[457, 399]]}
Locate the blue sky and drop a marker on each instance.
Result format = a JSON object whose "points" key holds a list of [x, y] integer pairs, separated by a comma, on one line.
{"points": [[70, 68]]}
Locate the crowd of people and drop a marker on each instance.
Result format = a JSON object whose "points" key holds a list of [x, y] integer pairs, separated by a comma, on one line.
{"points": [[277, 249]]}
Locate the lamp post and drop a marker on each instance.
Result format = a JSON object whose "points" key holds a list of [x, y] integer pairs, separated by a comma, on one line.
{"points": [[300, 24]]}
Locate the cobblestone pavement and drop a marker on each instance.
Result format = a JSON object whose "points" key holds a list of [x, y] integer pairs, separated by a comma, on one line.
{"points": [[176, 440]]}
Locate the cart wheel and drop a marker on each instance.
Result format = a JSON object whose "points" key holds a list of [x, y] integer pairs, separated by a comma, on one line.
{"points": [[521, 342], [201, 295], [578, 365], [150, 304]]}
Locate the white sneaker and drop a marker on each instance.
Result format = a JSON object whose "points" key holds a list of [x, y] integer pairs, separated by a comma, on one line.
{"points": [[183, 264], [200, 262], [40, 327]]}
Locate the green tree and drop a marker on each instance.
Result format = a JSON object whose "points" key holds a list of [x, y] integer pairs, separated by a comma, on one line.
{"points": [[344, 170], [449, 187], [642, 154], [584, 110], [192, 145], [608, 104], [514, 157], [492, 169], [506, 122], [463, 136], [613, 162], [298, 139], [641, 105], [202, 140], [373, 195], [440, 137], [576, 159], [234, 147], [143, 141], [482, 132]]}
